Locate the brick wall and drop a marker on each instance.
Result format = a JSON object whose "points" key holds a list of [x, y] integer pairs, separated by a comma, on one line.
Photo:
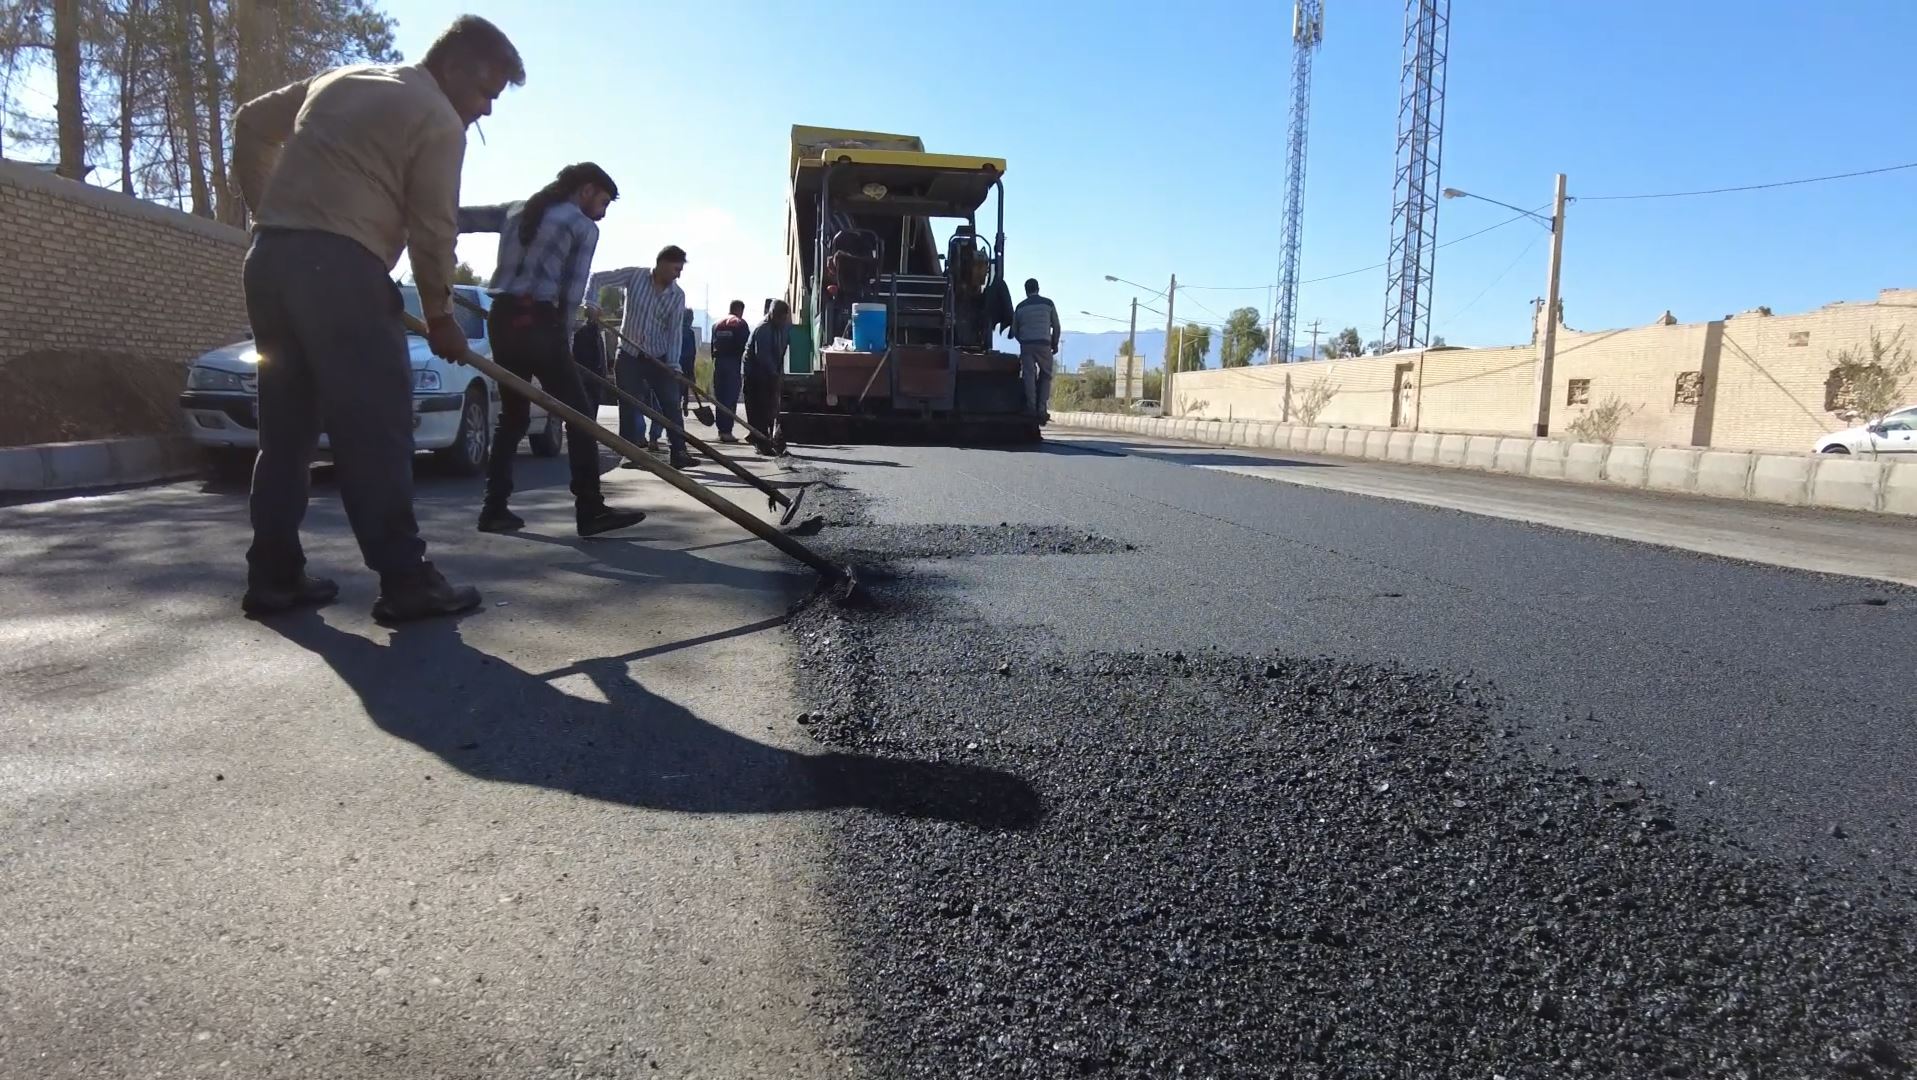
{"points": [[1750, 381], [89, 270]]}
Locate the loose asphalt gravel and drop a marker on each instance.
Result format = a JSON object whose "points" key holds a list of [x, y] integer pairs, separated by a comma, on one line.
{"points": [[1285, 865]]}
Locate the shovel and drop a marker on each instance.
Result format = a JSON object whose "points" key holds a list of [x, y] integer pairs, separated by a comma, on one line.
{"points": [[705, 414], [839, 582], [789, 520]]}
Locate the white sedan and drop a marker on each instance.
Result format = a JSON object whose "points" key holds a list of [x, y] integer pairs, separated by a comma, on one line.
{"points": [[1895, 434], [454, 407]]}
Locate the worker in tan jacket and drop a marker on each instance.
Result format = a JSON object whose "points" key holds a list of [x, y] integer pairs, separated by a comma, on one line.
{"points": [[342, 172]]}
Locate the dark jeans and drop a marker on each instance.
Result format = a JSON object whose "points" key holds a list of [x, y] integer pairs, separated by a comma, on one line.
{"points": [[636, 376], [762, 400], [326, 323], [530, 342], [728, 378]]}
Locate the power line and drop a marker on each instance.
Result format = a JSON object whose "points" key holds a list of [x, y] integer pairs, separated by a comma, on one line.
{"points": [[1452, 317], [1361, 269], [1748, 187]]}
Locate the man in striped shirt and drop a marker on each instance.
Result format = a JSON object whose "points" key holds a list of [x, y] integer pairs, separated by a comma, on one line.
{"points": [[545, 258], [653, 320]]}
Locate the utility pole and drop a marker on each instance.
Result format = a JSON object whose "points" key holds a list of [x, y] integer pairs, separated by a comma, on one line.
{"points": [[1548, 349], [1271, 336], [1132, 362], [1165, 398], [1314, 339]]}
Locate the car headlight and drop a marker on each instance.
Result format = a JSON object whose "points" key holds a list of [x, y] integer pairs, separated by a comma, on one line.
{"points": [[206, 378], [424, 380]]}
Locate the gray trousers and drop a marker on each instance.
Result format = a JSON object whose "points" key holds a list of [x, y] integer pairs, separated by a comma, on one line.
{"points": [[1035, 363], [326, 323]]}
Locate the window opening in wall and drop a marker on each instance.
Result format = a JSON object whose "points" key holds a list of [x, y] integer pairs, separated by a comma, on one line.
{"points": [[1838, 393], [1690, 387], [1579, 392], [1799, 337]]}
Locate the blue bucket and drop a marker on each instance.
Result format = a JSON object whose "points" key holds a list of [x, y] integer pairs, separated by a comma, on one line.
{"points": [[868, 327]]}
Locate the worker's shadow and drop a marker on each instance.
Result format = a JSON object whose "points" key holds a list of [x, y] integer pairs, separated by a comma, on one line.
{"points": [[492, 721]]}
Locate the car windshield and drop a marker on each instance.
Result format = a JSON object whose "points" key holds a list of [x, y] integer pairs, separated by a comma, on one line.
{"points": [[470, 321]]}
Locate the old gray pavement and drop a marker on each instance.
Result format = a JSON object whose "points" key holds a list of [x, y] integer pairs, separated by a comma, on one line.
{"points": [[567, 835]]}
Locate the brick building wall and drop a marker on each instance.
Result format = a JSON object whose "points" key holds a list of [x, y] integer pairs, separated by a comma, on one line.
{"points": [[1746, 382], [92, 271]]}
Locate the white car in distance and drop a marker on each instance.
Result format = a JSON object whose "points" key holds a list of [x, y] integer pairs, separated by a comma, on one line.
{"points": [[1895, 434], [455, 408]]}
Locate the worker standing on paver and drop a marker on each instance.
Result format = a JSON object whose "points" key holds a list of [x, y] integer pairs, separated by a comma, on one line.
{"points": [[1035, 324], [342, 172], [539, 282], [764, 369], [729, 338], [652, 320]]}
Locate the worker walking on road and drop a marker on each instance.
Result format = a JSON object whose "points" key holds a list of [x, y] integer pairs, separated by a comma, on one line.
{"points": [[342, 172], [545, 258], [765, 370], [1035, 324], [730, 336], [652, 320]]}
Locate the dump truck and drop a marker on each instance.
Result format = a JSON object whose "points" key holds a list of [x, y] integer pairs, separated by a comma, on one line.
{"points": [[896, 295]]}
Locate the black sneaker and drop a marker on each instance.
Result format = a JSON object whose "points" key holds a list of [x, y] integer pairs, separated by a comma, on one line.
{"points": [[608, 519], [652, 445], [498, 519], [422, 594], [683, 461], [728, 437], [630, 465], [302, 590]]}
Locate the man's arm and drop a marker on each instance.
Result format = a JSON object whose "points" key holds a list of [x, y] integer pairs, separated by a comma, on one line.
{"points": [[260, 128], [674, 309], [432, 215], [578, 269], [622, 278], [1058, 328], [486, 219]]}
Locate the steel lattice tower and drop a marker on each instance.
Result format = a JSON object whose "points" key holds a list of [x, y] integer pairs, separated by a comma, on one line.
{"points": [[1414, 216], [1307, 32]]}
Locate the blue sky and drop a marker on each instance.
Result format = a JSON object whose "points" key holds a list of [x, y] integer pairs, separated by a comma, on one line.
{"points": [[1144, 139]]}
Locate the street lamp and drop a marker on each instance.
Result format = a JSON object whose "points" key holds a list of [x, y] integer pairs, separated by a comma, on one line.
{"points": [[1547, 353]]}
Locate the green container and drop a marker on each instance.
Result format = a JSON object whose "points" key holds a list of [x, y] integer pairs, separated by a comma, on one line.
{"points": [[798, 350]]}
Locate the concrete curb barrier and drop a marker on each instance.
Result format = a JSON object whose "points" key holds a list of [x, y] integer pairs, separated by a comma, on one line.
{"points": [[1547, 459], [1827, 481], [95, 463], [1671, 468], [1846, 483], [1900, 488], [1626, 465], [1779, 479], [1512, 456], [1724, 473]]}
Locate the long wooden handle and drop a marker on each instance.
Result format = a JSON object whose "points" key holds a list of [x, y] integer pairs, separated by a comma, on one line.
{"points": [[645, 461], [690, 384], [651, 413]]}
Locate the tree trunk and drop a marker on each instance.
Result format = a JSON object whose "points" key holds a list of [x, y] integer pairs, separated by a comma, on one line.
{"points": [[132, 49], [189, 115], [214, 88], [66, 77], [260, 61]]}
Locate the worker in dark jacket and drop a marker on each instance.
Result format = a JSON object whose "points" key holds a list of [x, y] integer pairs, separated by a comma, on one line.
{"points": [[1035, 325], [729, 338], [764, 370], [688, 359]]}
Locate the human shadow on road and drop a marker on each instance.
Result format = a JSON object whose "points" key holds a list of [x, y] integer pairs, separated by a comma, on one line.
{"points": [[492, 721]]}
